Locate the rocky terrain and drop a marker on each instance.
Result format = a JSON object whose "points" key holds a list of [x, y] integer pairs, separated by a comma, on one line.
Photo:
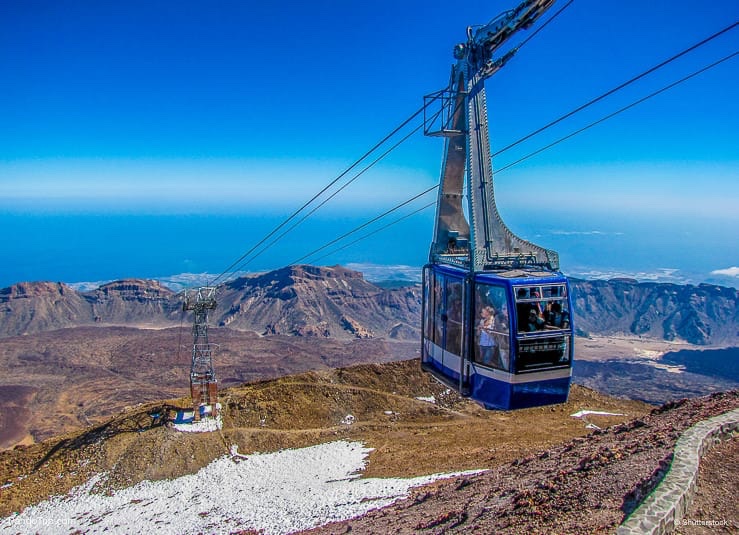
{"points": [[297, 300], [61, 380], [339, 303], [545, 472], [315, 301], [70, 359], [701, 315], [92, 366], [586, 485], [410, 436]]}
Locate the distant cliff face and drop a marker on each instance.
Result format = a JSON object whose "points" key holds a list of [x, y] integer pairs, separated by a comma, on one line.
{"points": [[40, 306], [316, 301], [131, 301], [338, 303], [31, 307], [703, 314]]}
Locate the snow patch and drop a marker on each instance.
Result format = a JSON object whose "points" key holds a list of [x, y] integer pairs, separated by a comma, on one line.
{"points": [[429, 399], [235, 452], [206, 425], [277, 493], [580, 414], [649, 353]]}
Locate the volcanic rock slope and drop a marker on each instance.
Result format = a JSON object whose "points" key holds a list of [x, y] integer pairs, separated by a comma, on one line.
{"points": [[317, 301], [296, 300], [701, 315], [31, 307], [415, 425], [546, 471], [338, 303]]}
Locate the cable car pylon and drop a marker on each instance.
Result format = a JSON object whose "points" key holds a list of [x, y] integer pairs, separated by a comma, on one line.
{"points": [[203, 383], [496, 324]]}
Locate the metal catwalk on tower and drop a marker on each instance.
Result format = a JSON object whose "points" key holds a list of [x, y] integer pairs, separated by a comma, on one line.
{"points": [[203, 383]]}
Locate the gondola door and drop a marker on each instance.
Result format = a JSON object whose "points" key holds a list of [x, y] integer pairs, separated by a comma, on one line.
{"points": [[444, 337]]}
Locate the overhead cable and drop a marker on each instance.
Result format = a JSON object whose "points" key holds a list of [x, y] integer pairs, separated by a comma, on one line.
{"points": [[611, 115], [234, 266], [579, 131], [306, 216], [544, 25], [365, 236], [363, 225], [305, 205], [617, 88]]}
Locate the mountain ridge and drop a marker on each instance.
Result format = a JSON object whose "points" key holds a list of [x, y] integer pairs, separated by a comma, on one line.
{"points": [[336, 302]]}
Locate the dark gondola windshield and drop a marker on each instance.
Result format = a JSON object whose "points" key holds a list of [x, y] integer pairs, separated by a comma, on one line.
{"points": [[542, 308], [543, 326]]}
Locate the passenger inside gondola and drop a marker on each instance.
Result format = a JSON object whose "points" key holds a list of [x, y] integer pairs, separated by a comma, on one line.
{"points": [[492, 346], [534, 321], [556, 317], [488, 347]]}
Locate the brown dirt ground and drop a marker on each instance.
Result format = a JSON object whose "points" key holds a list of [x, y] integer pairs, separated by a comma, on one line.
{"points": [[547, 473], [409, 436], [715, 498], [63, 381], [586, 485]]}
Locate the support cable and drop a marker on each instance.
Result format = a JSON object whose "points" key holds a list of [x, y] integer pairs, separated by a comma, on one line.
{"points": [[306, 216], [617, 88], [363, 225], [235, 265], [305, 205], [238, 262], [365, 236], [611, 115], [601, 120], [544, 25]]}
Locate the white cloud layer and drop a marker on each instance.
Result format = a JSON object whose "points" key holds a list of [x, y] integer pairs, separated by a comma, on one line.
{"points": [[728, 272]]}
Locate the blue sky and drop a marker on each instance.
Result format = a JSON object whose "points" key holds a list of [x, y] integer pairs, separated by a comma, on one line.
{"points": [[248, 108]]}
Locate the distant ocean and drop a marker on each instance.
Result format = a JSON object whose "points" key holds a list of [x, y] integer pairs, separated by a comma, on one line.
{"points": [[88, 248], [75, 248]]}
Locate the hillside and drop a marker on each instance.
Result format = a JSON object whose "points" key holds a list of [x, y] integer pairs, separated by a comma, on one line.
{"points": [[70, 378], [316, 301], [339, 303], [701, 315], [546, 469], [76, 358], [410, 436]]}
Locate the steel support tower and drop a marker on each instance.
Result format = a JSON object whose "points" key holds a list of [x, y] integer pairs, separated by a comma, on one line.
{"points": [[203, 383], [478, 240]]}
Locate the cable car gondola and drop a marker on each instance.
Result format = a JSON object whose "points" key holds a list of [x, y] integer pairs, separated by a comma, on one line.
{"points": [[496, 309]]}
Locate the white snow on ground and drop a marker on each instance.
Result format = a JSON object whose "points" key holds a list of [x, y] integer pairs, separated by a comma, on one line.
{"points": [[430, 399], [580, 414], [278, 493], [205, 425], [590, 425]]}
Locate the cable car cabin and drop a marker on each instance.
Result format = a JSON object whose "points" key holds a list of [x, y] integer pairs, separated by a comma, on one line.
{"points": [[496, 309], [503, 338]]}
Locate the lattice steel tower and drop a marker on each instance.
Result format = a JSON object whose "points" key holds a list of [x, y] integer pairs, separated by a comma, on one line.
{"points": [[203, 383]]}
